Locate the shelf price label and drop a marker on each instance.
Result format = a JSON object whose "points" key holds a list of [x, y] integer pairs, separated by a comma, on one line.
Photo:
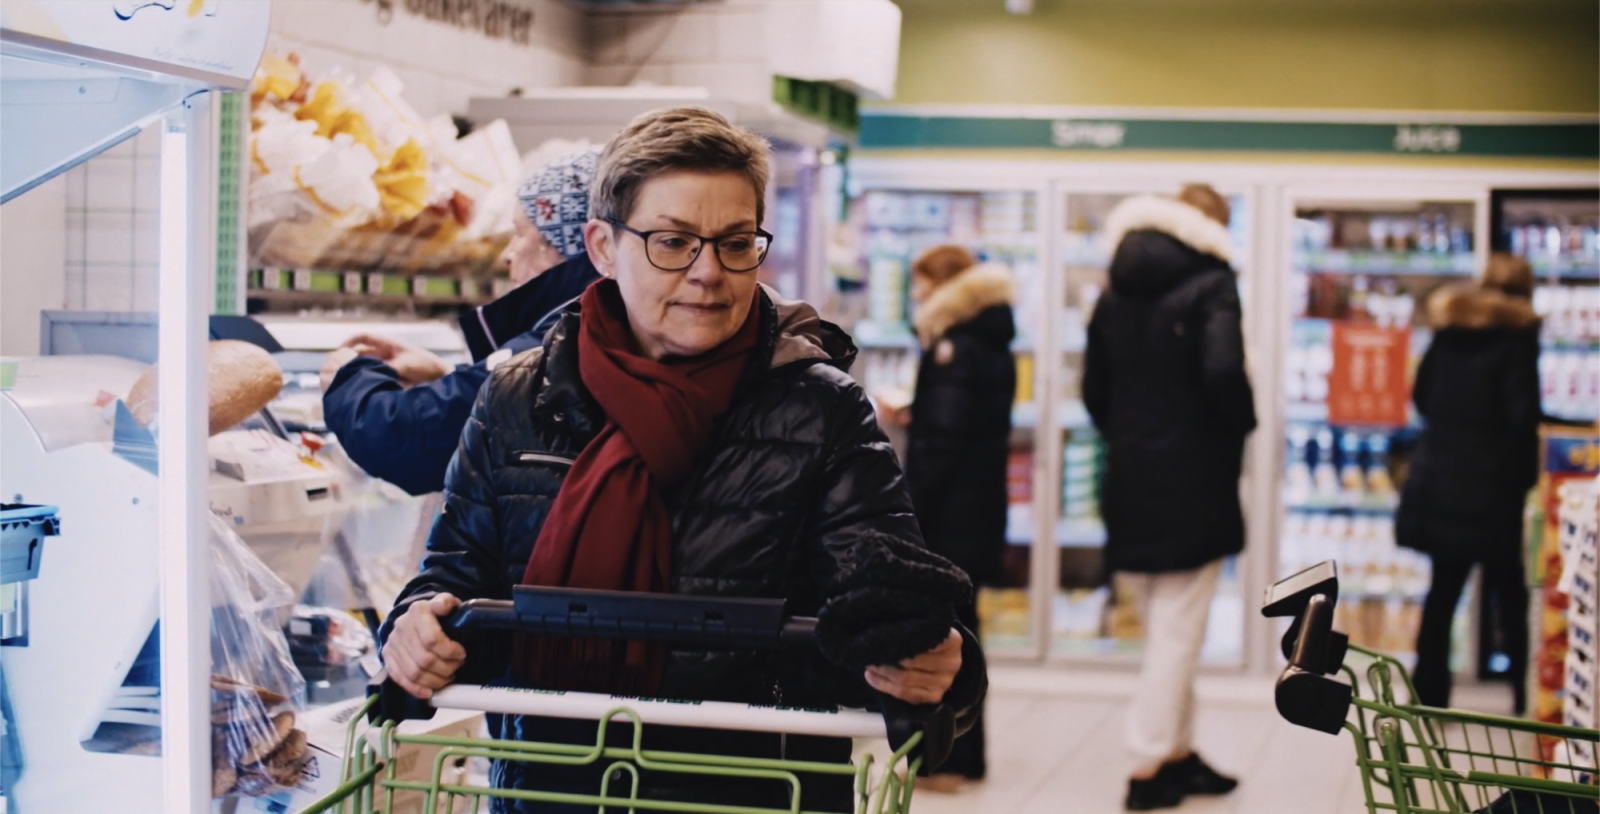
{"points": [[1368, 383]]}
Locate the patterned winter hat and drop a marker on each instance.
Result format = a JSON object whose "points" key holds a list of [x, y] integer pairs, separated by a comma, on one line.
{"points": [[556, 199]]}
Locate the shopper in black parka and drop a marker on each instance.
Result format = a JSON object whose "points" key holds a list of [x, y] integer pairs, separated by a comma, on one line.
{"points": [[1166, 386], [1477, 389], [960, 430], [796, 495], [960, 427]]}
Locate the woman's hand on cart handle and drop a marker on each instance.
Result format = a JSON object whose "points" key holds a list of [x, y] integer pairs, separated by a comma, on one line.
{"points": [[420, 657], [921, 679]]}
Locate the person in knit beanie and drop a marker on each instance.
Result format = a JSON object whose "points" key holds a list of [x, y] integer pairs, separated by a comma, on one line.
{"points": [[549, 223], [398, 410]]}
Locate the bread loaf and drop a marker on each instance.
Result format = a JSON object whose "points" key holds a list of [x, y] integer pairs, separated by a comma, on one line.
{"points": [[241, 379]]}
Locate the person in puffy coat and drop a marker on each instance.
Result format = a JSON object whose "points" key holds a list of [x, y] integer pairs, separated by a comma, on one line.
{"points": [[398, 410], [1166, 386], [684, 430], [1477, 389], [960, 432]]}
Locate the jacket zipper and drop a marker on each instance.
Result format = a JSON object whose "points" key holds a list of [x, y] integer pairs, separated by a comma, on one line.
{"points": [[541, 458]]}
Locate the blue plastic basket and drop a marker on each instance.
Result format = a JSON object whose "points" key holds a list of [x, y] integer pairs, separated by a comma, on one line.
{"points": [[22, 532]]}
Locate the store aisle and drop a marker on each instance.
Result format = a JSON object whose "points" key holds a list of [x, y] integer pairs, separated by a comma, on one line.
{"points": [[1055, 741]]}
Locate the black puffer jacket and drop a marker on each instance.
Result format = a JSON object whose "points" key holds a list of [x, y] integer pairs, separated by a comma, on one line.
{"points": [[1165, 384], [1478, 391], [798, 486], [961, 419]]}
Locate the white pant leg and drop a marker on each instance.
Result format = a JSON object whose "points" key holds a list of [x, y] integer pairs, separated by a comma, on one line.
{"points": [[1173, 608]]}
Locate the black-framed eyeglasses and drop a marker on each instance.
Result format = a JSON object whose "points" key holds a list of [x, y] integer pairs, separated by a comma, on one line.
{"points": [[675, 250]]}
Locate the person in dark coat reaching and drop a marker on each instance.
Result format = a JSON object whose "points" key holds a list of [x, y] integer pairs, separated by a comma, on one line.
{"points": [[960, 431], [1166, 386], [1477, 389], [398, 410]]}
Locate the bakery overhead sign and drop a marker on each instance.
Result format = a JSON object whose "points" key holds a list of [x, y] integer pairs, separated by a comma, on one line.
{"points": [[496, 19]]}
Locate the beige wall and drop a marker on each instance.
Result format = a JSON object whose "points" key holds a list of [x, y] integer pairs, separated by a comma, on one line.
{"points": [[441, 66], [1459, 55]]}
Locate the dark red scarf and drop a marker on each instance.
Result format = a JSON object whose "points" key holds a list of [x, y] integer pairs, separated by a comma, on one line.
{"points": [[608, 527]]}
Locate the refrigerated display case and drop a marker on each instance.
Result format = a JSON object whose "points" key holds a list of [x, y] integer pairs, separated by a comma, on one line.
{"points": [[1358, 274], [1558, 232], [891, 226]]}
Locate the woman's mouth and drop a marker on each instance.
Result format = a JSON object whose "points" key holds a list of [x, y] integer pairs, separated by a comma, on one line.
{"points": [[701, 308]]}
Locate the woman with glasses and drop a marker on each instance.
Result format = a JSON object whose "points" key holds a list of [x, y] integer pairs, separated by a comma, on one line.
{"points": [[683, 429]]}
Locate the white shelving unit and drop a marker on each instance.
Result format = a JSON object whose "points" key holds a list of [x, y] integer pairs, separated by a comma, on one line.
{"points": [[81, 77]]}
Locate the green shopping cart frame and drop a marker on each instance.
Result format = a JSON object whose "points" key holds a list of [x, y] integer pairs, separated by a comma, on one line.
{"points": [[1415, 759], [369, 782]]}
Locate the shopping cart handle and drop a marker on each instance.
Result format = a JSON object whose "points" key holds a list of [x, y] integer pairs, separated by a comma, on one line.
{"points": [[1291, 596], [1304, 694], [673, 619]]}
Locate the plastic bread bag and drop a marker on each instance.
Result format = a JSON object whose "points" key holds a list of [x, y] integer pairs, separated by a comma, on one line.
{"points": [[255, 747]]}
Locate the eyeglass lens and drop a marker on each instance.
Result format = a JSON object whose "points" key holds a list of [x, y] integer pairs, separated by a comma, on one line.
{"points": [[675, 251]]}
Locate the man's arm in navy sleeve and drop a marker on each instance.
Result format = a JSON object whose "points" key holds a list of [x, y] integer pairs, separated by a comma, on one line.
{"points": [[402, 435]]}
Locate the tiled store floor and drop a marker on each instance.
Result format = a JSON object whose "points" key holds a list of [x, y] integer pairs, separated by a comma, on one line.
{"points": [[1055, 747]]}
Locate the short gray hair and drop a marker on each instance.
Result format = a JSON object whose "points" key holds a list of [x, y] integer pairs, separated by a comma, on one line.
{"points": [[679, 138]]}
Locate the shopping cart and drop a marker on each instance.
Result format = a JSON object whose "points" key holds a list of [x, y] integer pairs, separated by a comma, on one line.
{"points": [[369, 784], [1415, 759]]}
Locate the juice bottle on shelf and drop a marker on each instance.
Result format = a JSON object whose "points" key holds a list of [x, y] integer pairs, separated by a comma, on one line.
{"points": [[1570, 384], [1380, 484], [1547, 380], [1460, 239], [1297, 476], [1359, 287], [1352, 481], [1362, 555], [1324, 476]]}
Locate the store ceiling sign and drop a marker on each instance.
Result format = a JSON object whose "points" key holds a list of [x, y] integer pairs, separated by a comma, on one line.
{"points": [[495, 19], [882, 130]]}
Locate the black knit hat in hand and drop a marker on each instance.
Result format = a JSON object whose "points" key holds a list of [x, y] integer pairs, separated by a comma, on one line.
{"points": [[890, 601]]}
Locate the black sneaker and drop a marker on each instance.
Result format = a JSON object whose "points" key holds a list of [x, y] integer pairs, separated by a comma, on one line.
{"points": [[1165, 790], [1193, 776]]}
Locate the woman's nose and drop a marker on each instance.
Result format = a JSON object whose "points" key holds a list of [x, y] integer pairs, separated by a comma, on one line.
{"points": [[707, 268]]}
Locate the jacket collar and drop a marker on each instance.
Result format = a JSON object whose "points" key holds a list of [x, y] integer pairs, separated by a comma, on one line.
{"points": [[489, 327], [961, 299], [1470, 306], [1181, 221]]}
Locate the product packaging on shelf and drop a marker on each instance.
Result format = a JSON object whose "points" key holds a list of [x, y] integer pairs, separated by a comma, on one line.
{"points": [[346, 176]]}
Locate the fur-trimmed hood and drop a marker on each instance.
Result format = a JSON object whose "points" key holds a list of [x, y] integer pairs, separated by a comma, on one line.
{"points": [[1465, 305], [961, 299], [1181, 221]]}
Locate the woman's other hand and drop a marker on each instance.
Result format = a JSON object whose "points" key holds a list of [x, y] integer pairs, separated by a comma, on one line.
{"points": [[415, 365], [419, 656], [921, 679]]}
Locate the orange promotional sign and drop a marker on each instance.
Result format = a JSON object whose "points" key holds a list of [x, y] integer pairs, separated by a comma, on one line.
{"points": [[1368, 383]]}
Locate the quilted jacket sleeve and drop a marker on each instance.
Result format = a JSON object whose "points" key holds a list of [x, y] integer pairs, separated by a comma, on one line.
{"points": [[465, 553], [865, 535], [404, 435]]}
